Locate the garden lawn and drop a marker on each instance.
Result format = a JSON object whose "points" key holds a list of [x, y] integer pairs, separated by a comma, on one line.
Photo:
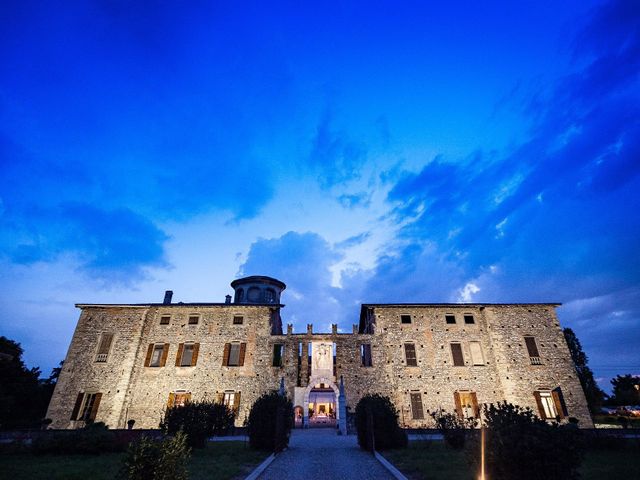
{"points": [[220, 460], [435, 461]]}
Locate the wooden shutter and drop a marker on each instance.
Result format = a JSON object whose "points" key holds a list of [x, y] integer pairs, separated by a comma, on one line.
{"points": [[96, 404], [194, 355], [105, 343], [179, 354], [165, 354], [172, 397], [474, 404], [220, 397], [536, 394], [225, 355], [416, 406], [147, 360], [456, 353], [187, 397], [76, 407], [558, 400], [410, 355], [456, 399], [532, 348], [236, 403], [243, 349]]}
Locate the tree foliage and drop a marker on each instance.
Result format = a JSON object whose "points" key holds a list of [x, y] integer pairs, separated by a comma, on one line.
{"points": [[148, 459], [453, 428], [377, 420], [594, 394], [199, 421], [23, 396], [625, 390], [521, 445], [270, 422]]}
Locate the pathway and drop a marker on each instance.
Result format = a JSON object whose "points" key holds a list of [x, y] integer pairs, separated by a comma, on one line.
{"points": [[320, 453]]}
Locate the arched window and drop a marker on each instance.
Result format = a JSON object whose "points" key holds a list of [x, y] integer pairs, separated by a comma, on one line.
{"points": [[239, 295], [253, 295], [269, 295]]}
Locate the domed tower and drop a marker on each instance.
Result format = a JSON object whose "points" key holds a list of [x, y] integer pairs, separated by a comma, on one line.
{"points": [[257, 289]]}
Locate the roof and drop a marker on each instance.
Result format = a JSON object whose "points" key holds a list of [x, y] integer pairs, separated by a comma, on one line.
{"points": [[258, 279], [179, 304]]}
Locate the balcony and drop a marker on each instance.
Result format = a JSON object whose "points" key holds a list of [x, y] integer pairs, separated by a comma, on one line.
{"points": [[535, 360], [101, 358]]}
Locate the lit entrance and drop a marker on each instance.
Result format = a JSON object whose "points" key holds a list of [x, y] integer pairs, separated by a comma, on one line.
{"points": [[322, 406]]}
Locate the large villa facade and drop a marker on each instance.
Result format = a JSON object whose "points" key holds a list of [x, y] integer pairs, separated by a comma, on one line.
{"points": [[131, 361]]}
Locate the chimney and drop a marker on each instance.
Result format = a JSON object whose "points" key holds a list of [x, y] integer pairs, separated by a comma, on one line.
{"points": [[227, 299], [167, 297]]}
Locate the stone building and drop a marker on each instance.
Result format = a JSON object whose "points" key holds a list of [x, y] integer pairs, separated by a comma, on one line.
{"points": [[131, 361]]}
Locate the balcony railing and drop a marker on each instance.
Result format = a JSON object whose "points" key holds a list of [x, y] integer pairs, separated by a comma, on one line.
{"points": [[535, 360], [101, 358]]}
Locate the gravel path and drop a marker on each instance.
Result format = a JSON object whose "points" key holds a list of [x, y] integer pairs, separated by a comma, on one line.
{"points": [[320, 453]]}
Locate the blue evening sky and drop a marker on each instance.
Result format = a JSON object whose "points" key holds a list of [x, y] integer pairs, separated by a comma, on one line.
{"points": [[358, 151]]}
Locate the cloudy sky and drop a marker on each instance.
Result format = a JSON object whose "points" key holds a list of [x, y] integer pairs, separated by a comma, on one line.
{"points": [[358, 151]]}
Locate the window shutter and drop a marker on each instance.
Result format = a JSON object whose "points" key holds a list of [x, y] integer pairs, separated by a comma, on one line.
{"points": [[474, 403], [165, 354], [105, 343], [410, 355], [236, 403], [172, 397], [194, 356], [76, 407], [179, 354], [243, 349], [416, 406], [187, 397], [147, 360], [558, 399], [220, 397], [225, 355], [536, 394], [96, 404], [532, 348], [456, 353], [456, 398]]}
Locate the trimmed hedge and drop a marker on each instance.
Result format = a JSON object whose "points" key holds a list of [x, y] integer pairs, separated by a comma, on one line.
{"points": [[270, 422], [377, 421], [199, 421]]}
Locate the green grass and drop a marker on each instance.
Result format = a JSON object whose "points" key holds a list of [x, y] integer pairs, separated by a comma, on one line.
{"points": [[220, 460], [435, 461]]}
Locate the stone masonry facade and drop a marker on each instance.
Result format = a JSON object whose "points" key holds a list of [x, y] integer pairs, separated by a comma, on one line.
{"points": [[130, 362]]}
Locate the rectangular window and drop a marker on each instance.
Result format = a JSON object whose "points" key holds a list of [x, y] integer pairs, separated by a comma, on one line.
{"points": [[179, 398], [450, 319], [194, 319], [157, 355], [278, 355], [231, 400], [86, 407], [546, 405], [365, 354], [103, 348], [476, 353], [233, 355], [456, 353], [416, 406], [468, 319], [410, 355], [532, 349], [405, 318], [466, 404], [238, 319], [187, 354], [165, 319]]}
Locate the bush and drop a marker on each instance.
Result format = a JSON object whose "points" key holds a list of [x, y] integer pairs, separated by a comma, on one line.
{"points": [[199, 421], [378, 413], [93, 439], [270, 422], [521, 445], [147, 459], [453, 428]]}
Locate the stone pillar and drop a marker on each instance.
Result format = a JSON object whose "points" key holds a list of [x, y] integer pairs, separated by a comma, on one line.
{"points": [[342, 409]]}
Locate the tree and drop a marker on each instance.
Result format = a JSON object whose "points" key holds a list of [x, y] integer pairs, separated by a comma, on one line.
{"points": [[23, 397], [270, 422], [594, 394], [626, 390], [377, 424]]}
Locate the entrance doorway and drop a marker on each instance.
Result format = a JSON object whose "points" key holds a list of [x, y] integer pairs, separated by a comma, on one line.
{"points": [[322, 406]]}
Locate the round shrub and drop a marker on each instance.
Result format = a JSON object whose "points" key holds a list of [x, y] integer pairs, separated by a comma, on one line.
{"points": [[377, 424], [270, 422]]}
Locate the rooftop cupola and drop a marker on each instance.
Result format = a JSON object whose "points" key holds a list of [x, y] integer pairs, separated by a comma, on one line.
{"points": [[257, 289]]}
